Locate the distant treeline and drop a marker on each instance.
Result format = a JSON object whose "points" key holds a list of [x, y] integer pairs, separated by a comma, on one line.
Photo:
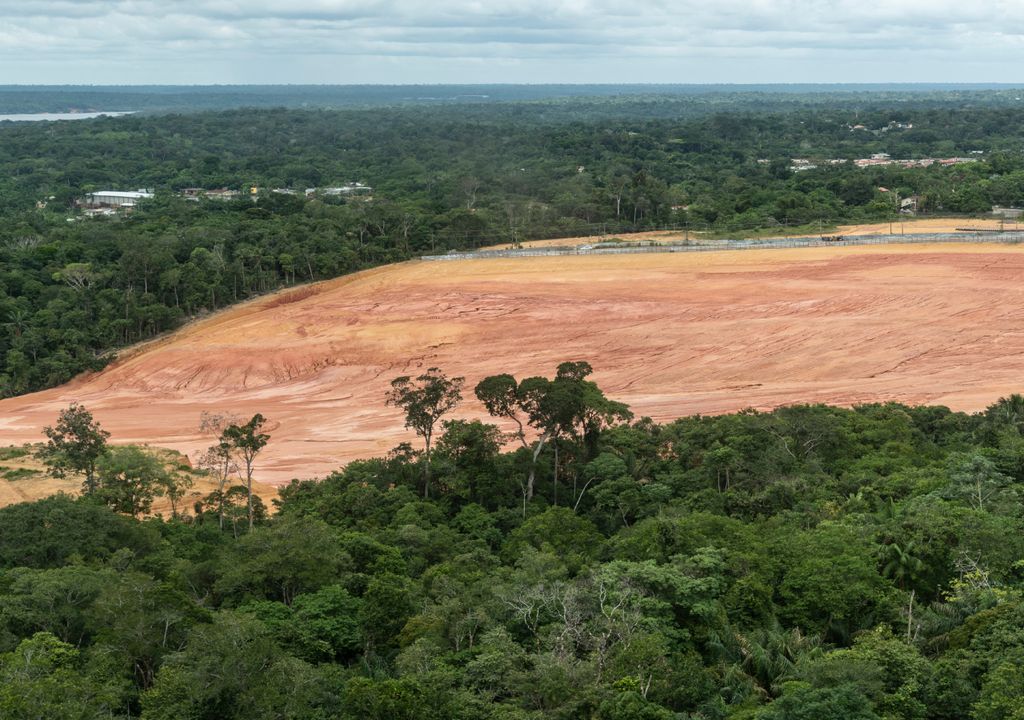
{"points": [[680, 98], [451, 177]]}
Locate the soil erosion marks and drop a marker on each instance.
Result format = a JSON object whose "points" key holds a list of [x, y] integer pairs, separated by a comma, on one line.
{"points": [[669, 334]]}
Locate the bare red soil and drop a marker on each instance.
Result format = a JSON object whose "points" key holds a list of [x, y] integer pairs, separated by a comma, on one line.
{"points": [[670, 334]]}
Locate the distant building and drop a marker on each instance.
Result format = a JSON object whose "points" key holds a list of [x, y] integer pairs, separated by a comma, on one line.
{"points": [[908, 205], [800, 164], [116, 198], [1007, 213], [353, 188], [221, 194], [195, 194]]}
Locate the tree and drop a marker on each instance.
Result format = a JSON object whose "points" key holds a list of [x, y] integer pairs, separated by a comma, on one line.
{"points": [[977, 480], [234, 669], [425, 399], [500, 395], [471, 449], [1001, 696], [76, 443], [230, 504], [130, 478], [246, 441], [900, 563], [801, 702], [282, 560], [175, 485], [44, 677], [1007, 411], [218, 459], [569, 406]]}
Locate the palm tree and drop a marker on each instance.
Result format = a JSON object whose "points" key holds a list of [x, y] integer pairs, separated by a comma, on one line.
{"points": [[900, 564], [1007, 411], [760, 660], [17, 321]]}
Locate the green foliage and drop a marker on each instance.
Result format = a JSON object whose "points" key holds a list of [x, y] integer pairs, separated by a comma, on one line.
{"points": [[245, 441], [800, 702], [560, 531], [46, 678], [1001, 696], [425, 400], [281, 562], [232, 669], [129, 479], [76, 444], [58, 530], [811, 562]]}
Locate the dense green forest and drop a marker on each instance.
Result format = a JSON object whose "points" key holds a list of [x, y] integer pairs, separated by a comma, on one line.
{"points": [[810, 563], [74, 288]]}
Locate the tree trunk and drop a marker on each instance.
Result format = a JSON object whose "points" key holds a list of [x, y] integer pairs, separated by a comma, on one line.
{"points": [[533, 466], [554, 480], [426, 470], [248, 487]]}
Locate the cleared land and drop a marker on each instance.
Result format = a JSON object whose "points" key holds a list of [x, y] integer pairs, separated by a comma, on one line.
{"points": [[670, 334]]}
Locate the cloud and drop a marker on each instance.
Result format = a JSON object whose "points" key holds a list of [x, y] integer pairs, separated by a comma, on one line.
{"points": [[566, 40]]}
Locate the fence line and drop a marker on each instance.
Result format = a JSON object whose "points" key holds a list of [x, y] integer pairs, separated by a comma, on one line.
{"points": [[1009, 238]]}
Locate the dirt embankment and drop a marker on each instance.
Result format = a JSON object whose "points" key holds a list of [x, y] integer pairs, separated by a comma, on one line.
{"points": [[670, 334]]}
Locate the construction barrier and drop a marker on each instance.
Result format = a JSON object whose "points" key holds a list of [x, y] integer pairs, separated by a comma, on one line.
{"points": [[719, 245]]}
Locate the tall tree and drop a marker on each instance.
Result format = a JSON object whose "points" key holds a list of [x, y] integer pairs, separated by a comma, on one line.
{"points": [[130, 478], [76, 443], [568, 406], [246, 441], [425, 399]]}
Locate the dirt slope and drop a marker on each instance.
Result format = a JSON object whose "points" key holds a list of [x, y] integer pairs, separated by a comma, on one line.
{"points": [[670, 334]]}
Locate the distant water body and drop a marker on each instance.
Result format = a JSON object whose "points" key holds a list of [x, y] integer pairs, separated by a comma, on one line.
{"points": [[35, 117]]}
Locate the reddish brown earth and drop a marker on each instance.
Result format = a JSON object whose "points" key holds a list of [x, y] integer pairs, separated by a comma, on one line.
{"points": [[670, 334]]}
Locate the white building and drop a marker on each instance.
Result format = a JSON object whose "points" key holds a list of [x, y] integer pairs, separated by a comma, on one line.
{"points": [[351, 188], [116, 198]]}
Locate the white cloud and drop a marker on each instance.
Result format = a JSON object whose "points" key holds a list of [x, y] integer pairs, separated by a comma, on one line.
{"points": [[515, 40]]}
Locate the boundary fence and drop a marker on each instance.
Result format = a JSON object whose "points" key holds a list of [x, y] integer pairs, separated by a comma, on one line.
{"points": [[1010, 238]]}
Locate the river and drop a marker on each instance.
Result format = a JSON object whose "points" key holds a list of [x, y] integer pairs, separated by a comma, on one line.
{"points": [[35, 117]]}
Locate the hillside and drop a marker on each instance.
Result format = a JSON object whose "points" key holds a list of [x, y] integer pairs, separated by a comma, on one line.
{"points": [[668, 334]]}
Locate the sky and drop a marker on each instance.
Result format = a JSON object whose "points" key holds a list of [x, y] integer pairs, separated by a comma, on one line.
{"points": [[509, 41]]}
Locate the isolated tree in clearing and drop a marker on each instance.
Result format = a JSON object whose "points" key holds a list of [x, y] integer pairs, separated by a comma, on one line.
{"points": [[129, 480], [218, 459], [247, 441], [76, 443], [425, 400]]}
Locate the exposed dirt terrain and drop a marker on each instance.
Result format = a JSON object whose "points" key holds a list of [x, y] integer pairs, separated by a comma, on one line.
{"points": [[670, 334]]}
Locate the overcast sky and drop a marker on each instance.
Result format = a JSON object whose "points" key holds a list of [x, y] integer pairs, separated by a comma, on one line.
{"points": [[514, 41]]}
